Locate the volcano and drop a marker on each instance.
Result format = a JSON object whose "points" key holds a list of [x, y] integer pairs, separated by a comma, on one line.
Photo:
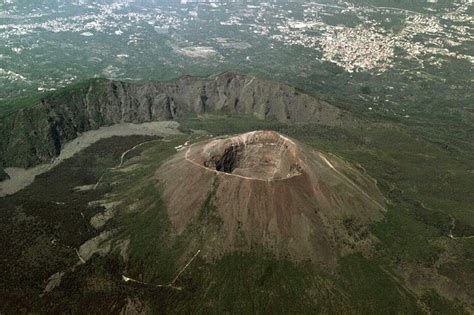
{"points": [[268, 192]]}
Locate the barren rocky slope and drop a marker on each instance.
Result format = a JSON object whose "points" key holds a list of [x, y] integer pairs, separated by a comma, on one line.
{"points": [[36, 134], [272, 192]]}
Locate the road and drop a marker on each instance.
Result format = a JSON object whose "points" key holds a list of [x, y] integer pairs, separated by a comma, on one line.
{"points": [[169, 285], [451, 236]]}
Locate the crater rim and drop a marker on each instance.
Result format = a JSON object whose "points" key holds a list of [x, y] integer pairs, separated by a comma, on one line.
{"points": [[256, 155]]}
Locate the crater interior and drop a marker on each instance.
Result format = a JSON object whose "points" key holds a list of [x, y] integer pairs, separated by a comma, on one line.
{"points": [[263, 155]]}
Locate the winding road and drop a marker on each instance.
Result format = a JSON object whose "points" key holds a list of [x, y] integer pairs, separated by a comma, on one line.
{"points": [[453, 226], [122, 157], [169, 285]]}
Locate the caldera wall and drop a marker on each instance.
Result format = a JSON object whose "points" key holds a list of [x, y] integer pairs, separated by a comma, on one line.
{"points": [[37, 134]]}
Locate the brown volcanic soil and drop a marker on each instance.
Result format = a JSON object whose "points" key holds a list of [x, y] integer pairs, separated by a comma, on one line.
{"points": [[268, 191]]}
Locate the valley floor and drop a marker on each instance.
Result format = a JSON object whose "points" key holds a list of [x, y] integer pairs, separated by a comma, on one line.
{"points": [[21, 178]]}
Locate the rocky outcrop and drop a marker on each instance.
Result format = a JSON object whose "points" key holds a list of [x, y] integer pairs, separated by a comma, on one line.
{"points": [[37, 134]]}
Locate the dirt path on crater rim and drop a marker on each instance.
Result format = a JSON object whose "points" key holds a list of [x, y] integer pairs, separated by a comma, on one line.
{"points": [[21, 178]]}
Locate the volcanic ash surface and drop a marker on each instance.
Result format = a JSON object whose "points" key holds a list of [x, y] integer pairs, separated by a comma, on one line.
{"points": [[263, 191]]}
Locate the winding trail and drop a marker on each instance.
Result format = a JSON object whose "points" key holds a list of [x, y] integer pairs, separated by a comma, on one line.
{"points": [[122, 157], [79, 256], [127, 279], [184, 268], [130, 150], [453, 226], [169, 285], [355, 186]]}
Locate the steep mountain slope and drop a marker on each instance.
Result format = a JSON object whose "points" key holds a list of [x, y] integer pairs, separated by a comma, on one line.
{"points": [[36, 134], [272, 192]]}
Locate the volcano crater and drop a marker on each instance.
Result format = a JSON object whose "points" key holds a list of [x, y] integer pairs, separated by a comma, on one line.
{"points": [[261, 189], [259, 155]]}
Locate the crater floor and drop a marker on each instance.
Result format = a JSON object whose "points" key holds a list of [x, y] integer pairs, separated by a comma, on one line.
{"points": [[260, 155]]}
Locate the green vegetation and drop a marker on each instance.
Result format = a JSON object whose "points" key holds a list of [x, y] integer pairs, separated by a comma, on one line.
{"points": [[42, 224], [3, 175], [405, 238], [373, 289], [10, 106], [439, 305], [461, 267], [151, 259]]}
